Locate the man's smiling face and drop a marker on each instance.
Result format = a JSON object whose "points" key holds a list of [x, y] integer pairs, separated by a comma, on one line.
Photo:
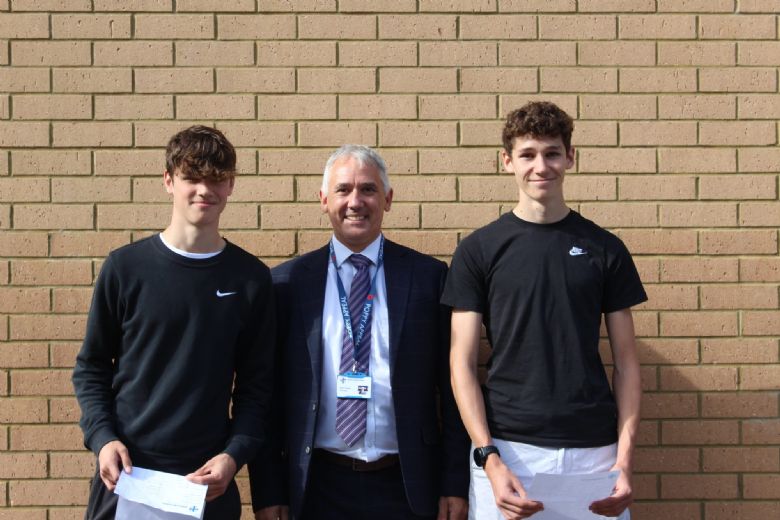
{"points": [[355, 202]]}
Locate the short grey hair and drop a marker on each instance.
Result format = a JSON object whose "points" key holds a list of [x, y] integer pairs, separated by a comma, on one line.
{"points": [[363, 155]]}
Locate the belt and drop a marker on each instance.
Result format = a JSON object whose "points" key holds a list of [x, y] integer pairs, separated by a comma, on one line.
{"points": [[388, 461]]}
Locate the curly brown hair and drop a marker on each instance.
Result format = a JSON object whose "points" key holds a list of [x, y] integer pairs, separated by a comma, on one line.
{"points": [[201, 152], [538, 119]]}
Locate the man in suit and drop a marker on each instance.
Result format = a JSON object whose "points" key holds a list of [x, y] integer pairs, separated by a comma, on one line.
{"points": [[368, 425]]}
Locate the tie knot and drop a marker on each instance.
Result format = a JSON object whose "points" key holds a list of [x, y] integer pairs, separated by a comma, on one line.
{"points": [[360, 261]]}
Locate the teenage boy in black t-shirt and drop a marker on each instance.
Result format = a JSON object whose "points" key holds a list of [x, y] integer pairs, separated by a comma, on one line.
{"points": [[181, 325], [540, 278]]}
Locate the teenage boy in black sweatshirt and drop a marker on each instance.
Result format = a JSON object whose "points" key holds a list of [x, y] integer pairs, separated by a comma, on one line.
{"points": [[181, 323]]}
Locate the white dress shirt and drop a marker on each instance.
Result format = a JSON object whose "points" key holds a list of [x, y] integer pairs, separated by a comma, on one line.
{"points": [[380, 438]]}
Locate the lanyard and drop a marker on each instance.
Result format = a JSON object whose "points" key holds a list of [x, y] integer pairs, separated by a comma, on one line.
{"points": [[368, 305]]}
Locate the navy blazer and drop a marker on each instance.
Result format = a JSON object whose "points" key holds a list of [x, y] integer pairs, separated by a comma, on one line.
{"points": [[432, 442]]}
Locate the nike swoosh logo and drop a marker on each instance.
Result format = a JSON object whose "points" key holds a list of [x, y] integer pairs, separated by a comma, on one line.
{"points": [[576, 251], [223, 294]]}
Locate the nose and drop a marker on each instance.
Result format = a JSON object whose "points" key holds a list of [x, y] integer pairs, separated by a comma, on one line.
{"points": [[355, 200], [540, 165]]}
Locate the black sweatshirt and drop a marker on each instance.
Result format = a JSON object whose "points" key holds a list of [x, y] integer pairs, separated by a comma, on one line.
{"points": [[165, 337]]}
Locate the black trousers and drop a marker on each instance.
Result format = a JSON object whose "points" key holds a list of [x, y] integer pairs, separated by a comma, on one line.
{"points": [[335, 492], [102, 503]]}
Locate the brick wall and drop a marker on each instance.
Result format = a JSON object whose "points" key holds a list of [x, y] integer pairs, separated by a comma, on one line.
{"points": [[676, 103]]}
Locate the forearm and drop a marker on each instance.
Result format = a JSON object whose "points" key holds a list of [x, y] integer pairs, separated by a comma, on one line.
{"points": [[628, 393], [626, 383], [466, 328]]}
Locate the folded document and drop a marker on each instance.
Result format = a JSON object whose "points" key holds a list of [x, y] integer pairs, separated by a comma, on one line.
{"points": [[146, 494]]}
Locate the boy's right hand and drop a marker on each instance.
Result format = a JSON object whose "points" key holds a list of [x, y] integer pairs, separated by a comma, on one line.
{"points": [[509, 493], [113, 457]]}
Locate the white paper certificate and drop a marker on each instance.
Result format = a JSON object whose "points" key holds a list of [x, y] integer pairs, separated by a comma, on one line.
{"points": [[567, 497], [164, 491]]}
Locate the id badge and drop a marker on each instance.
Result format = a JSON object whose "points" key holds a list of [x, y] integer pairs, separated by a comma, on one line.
{"points": [[353, 385]]}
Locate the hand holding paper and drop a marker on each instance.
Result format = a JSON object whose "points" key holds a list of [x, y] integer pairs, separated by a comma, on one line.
{"points": [[216, 473]]}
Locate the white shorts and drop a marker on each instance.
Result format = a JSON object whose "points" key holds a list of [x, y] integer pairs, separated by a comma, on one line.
{"points": [[526, 460]]}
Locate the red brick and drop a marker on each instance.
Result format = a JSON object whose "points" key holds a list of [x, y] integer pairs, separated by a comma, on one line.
{"points": [[702, 323], [17, 411], [428, 242], [761, 323], [739, 350], [87, 243], [418, 80], [23, 300], [461, 215], [72, 465], [671, 297], [71, 300], [64, 354], [761, 486], [738, 297], [332, 134], [739, 405], [51, 272], [759, 269], [47, 327], [660, 241], [417, 27], [666, 351], [617, 214], [698, 214], [666, 405], [46, 437], [733, 459], [418, 134], [759, 214], [700, 433], [760, 160], [699, 270], [698, 378], [697, 160], [48, 492], [760, 377], [22, 465], [32, 243], [24, 355], [699, 486], [666, 460], [64, 410], [697, 106], [759, 106], [744, 241], [668, 510], [761, 431]]}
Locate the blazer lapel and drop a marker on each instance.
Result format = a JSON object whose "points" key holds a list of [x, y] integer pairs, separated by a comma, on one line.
{"points": [[311, 291], [398, 274]]}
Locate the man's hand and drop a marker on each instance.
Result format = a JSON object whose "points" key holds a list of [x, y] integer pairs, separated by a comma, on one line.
{"points": [[272, 513], [622, 497], [453, 508], [112, 458], [216, 473], [509, 493]]}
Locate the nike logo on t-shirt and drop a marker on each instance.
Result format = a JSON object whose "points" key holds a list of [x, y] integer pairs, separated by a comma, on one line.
{"points": [[223, 294], [576, 251]]}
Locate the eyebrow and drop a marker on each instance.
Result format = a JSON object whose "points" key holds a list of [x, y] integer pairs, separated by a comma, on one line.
{"points": [[370, 184]]}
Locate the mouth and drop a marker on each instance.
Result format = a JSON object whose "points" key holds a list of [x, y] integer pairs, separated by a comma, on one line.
{"points": [[356, 218]]}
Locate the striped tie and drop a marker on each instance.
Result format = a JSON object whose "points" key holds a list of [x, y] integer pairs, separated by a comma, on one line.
{"points": [[351, 413]]}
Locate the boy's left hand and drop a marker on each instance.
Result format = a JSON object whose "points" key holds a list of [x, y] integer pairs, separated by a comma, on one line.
{"points": [[622, 497], [216, 473]]}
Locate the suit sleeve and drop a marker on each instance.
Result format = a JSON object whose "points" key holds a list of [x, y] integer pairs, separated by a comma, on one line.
{"points": [[94, 369], [252, 390], [455, 439], [268, 470]]}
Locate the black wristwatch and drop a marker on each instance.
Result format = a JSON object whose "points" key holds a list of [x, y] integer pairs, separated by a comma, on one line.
{"points": [[481, 454]]}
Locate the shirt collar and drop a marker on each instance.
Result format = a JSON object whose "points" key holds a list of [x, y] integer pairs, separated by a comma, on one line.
{"points": [[343, 252]]}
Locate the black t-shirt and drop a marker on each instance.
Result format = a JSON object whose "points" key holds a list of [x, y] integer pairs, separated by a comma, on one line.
{"points": [[541, 289]]}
